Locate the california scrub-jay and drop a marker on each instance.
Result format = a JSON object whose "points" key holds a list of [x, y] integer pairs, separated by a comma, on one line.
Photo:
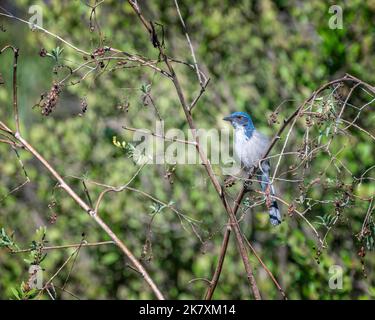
{"points": [[249, 147]]}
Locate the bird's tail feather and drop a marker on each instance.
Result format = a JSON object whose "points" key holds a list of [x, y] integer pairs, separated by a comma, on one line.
{"points": [[268, 189]]}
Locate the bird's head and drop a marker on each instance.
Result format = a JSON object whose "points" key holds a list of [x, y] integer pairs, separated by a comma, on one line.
{"points": [[241, 120]]}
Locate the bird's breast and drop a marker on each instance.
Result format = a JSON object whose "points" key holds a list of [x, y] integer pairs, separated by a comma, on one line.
{"points": [[249, 150]]}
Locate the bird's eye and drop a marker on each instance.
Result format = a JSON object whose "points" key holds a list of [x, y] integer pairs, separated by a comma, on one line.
{"points": [[240, 117]]}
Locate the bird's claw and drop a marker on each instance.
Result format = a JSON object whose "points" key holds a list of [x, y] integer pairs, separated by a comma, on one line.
{"points": [[247, 185], [229, 181]]}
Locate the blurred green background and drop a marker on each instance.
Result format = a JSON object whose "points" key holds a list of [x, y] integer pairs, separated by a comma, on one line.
{"points": [[258, 55]]}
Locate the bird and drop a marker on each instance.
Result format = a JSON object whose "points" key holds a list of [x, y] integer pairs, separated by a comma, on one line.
{"points": [[250, 147]]}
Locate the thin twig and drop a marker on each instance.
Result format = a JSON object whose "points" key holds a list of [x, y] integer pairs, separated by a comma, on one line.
{"points": [[57, 272], [190, 45], [93, 214], [206, 163], [202, 90], [239, 198], [44, 30], [119, 189], [159, 136], [84, 244]]}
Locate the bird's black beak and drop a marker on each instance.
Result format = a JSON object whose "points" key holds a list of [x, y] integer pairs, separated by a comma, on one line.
{"points": [[229, 118]]}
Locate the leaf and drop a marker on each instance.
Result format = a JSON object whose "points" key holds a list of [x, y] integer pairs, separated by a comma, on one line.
{"points": [[326, 220], [115, 142], [33, 245], [31, 293], [42, 258], [157, 207], [55, 53], [6, 240], [328, 130], [40, 234], [145, 88], [16, 293]]}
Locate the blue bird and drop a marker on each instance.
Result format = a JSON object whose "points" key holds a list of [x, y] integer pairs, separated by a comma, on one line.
{"points": [[249, 147]]}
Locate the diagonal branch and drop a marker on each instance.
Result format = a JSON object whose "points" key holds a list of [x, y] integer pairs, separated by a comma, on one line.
{"points": [[190, 44], [92, 214], [239, 198], [67, 246], [206, 163]]}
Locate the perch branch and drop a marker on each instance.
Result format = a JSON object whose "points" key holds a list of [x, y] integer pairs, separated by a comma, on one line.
{"points": [[206, 163]]}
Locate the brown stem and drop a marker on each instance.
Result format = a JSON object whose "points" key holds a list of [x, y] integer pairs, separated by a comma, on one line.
{"points": [[15, 103], [89, 244], [224, 245], [93, 214], [189, 43], [219, 267], [16, 145], [206, 163]]}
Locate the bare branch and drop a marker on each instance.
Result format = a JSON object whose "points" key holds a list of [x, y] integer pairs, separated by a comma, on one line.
{"points": [[67, 246], [190, 45], [234, 224], [93, 214]]}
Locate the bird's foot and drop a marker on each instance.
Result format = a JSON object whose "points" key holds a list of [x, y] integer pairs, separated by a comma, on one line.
{"points": [[247, 185], [229, 181]]}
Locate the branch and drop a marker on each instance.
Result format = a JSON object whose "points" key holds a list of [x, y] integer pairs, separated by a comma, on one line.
{"points": [[224, 245], [92, 214], [159, 136], [233, 221], [190, 45], [44, 30], [84, 244]]}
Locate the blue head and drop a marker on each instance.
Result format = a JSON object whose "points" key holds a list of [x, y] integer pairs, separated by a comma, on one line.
{"points": [[241, 120]]}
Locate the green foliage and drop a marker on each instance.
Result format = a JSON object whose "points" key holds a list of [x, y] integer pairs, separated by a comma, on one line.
{"points": [[158, 207], [327, 220], [21, 294], [6, 240], [128, 147], [56, 53], [37, 245]]}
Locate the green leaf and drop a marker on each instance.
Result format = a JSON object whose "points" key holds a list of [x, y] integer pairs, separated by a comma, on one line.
{"points": [[40, 234], [6, 240], [16, 293], [55, 53], [31, 293]]}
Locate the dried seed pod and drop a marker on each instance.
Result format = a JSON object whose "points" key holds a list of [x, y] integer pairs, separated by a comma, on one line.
{"points": [[53, 218], [50, 102], [98, 52], [273, 118], [43, 52], [362, 252]]}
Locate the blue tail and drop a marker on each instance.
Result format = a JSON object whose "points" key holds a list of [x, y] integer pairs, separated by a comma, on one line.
{"points": [[267, 188]]}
